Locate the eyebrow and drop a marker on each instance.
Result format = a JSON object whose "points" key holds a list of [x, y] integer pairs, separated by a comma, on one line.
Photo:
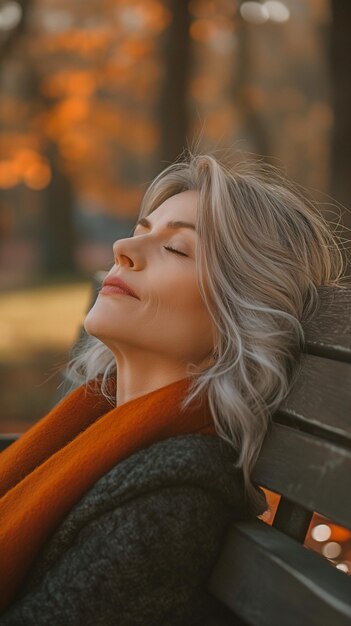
{"points": [[173, 224]]}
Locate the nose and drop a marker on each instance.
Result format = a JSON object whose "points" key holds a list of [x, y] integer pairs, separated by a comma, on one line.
{"points": [[125, 253]]}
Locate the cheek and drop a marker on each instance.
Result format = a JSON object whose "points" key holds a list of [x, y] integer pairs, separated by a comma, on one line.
{"points": [[180, 309], [179, 295]]}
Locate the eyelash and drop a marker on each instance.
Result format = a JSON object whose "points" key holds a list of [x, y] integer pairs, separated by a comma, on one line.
{"points": [[174, 250]]}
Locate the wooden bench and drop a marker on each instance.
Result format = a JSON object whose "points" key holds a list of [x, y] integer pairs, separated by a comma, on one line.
{"points": [[264, 574]]}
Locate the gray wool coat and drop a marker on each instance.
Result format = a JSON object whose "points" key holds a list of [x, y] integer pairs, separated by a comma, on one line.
{"points": [[139, 547]]}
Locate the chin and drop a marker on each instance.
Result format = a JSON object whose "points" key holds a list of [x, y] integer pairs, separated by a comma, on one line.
{"points": [[96, 326], [90, 325]]}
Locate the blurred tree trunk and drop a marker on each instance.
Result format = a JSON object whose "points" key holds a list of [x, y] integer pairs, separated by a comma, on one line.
{"points": [[340, 55], [254, 126], [173, 113], [58, 237]]}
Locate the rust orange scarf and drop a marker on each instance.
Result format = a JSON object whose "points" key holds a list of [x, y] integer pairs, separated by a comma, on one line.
{"points": [[50, 467]]}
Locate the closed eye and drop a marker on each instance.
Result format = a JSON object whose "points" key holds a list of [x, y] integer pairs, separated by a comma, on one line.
{"points": [[174, 250], [168, 248]]}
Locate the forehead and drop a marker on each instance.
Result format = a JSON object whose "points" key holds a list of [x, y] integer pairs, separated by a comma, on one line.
{"points": [[180, 206]]}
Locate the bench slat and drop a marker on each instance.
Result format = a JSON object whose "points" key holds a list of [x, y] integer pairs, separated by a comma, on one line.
{"points": [[320, 401], [329, 332], [308, 471], [269, 579]]}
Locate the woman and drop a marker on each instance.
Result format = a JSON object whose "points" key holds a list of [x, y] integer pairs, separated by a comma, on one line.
{"points": [[114, 506]]}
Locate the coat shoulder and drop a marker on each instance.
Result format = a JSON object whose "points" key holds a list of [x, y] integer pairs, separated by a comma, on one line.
{"points": [[141, 543]]}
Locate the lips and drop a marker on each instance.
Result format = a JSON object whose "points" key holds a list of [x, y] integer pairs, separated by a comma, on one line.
{"points": [[114, 281]]}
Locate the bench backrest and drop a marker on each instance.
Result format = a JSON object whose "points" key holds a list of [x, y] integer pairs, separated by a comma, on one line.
{"points": [[264, 573]]}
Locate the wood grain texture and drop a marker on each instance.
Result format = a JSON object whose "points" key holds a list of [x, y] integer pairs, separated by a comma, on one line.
{"points": [[307, 470], [320, 400], [328, 333]]}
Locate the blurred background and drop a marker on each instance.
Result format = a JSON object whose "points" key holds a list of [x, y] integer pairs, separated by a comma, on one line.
{"points": [[97, 97]]}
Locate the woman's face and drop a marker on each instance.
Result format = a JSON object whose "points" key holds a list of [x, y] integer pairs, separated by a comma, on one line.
{"points": [[169, 320]]}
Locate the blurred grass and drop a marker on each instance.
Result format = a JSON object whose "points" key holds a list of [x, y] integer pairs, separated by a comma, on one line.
{"points": [[38, 326]]}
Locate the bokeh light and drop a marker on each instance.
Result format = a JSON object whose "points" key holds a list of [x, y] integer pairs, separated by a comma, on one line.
{"points": [[254, 12], [278, 12], [331, 550], [321, 532], [10, 15]]}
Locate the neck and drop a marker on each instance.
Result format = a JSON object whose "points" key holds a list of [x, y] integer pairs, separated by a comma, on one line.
{"points": [[141, 378]]}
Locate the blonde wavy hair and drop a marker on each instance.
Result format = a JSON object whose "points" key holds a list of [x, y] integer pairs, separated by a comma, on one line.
{"points": [[264, 247]]}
